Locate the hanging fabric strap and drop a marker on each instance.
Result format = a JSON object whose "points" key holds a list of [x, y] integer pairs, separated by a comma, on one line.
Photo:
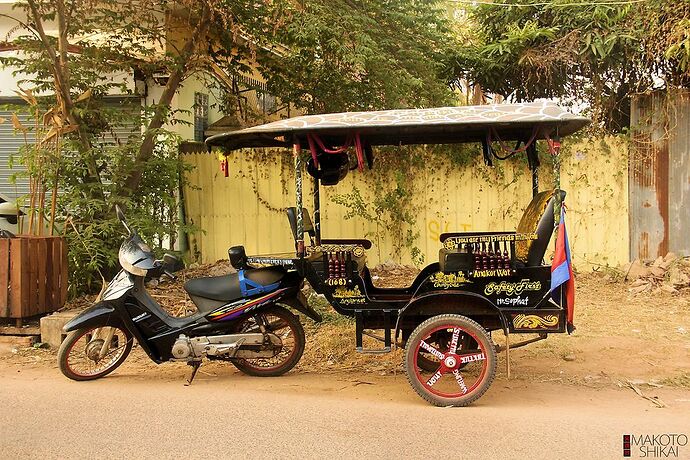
{"points": [[554, 144], [314, 141], [360, 153], [510, 152]]}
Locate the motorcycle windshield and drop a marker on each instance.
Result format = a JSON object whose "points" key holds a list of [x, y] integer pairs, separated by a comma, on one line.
{"points": [[135, 256]]}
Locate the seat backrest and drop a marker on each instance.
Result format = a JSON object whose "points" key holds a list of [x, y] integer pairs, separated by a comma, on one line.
{"points": [[537, 218], [306, 222]]}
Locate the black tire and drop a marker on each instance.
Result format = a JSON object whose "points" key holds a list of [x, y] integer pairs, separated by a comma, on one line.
{"points": [[485, 366], [254, 368], [68, 347]]}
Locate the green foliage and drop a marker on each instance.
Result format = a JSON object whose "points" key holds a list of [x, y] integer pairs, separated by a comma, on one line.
{"points": [[357, 55], [597, 53], [317, 56], [332, 56], [92, 150], [679, 46], [152, 210]]}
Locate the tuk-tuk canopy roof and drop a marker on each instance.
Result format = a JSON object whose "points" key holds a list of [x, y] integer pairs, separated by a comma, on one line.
{"points": [[444, 125]]}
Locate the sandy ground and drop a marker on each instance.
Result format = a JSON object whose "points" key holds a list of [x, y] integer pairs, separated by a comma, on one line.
{"points": [[580, 393], [142, 413]]}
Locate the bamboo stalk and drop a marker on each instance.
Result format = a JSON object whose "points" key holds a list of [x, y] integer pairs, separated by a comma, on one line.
{"points": [[32, 194], [40, 182], [41, 207], [53, 199]]}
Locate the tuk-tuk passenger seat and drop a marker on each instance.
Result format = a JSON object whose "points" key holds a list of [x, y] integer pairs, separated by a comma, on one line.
{"points": [[537, 218]]}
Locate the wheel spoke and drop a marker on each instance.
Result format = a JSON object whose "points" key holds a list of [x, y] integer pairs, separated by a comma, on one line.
{"points": [[471, 357], [460, 380], [114, 350], [454, 340], [434, 378], [279, 326], [431, 350]]}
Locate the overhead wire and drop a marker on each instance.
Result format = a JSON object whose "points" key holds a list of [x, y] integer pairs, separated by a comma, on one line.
{"points": [[559, 5]]}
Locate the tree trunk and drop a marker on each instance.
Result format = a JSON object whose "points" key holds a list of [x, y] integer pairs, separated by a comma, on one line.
{"points": [[132, 181]]}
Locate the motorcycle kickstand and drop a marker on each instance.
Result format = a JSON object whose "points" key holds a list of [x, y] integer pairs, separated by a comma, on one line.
{"points": [[195, 367]]}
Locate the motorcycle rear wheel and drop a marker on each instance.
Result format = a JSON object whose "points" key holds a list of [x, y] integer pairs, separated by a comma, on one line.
{"points": [[283, 323], [79, 358]]}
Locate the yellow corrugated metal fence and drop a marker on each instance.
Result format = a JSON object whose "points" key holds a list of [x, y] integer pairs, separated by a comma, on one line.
{"points": [[246, 208]]}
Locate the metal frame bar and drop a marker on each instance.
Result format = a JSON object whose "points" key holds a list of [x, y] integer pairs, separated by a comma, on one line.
{"points": [[296, 151], [317, 212]]}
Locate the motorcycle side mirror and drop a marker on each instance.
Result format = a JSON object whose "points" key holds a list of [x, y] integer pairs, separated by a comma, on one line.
{"points": [[170, 259], [121, 218]]}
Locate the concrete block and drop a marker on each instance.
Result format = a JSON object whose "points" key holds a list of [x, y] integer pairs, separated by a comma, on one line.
{"points": [[51, 327]]}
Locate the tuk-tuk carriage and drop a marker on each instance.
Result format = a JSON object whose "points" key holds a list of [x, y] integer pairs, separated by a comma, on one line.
{"points": [[482, 282]]}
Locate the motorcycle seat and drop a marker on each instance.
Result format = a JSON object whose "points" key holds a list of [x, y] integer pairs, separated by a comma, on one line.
{"points": [[227, 287]]}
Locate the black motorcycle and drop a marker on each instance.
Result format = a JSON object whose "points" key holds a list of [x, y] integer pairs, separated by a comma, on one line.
{"points": [[243, 318]]}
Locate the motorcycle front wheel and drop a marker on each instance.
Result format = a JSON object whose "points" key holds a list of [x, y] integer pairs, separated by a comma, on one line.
{"points": [[94, 352], [281, 322]]}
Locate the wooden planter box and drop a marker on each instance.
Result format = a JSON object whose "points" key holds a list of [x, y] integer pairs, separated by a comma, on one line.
{"points": [[33, 275]]}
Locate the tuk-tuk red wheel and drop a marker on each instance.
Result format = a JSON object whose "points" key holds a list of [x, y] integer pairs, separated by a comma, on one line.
{"points": [[463, 374]]}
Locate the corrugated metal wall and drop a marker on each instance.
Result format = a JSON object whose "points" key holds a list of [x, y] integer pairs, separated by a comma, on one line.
{"points": [[659, 175], [10, 143], [246, 207]]}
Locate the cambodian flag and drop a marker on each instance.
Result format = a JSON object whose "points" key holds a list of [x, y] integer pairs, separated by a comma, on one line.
{"points": [[562, 270]]}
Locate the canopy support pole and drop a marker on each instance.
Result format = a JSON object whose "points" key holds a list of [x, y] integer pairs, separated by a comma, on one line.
{"points": [[296, 152], [533, 162], [555, 149], [317, 212]]}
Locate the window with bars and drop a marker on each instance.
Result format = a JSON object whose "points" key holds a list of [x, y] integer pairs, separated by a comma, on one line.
{"points": [[200, 115]]}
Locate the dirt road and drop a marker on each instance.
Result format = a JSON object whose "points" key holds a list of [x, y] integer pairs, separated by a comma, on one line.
{"points": [[147, 414]]}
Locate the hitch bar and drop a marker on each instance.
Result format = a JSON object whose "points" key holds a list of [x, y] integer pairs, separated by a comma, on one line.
{"points": [[500, 348]]}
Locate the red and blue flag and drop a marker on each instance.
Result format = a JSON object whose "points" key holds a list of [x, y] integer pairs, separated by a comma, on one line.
{"points": [[562, 271]]}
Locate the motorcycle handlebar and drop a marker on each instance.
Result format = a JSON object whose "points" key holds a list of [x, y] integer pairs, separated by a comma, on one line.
{"points": [[162, 268]]}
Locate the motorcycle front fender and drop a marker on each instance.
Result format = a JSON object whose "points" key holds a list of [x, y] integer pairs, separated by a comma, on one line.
{"points": [[98, 315]]}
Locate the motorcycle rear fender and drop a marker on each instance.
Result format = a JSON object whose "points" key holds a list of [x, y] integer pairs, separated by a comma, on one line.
{"points": [[294, 300], [98, 315], [299, 302]]}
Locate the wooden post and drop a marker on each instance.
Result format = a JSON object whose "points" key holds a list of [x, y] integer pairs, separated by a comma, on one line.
{"points": [[4, 277], [42, 272], [63, 271], [508, 354], [19, 275], [31, 308]]}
